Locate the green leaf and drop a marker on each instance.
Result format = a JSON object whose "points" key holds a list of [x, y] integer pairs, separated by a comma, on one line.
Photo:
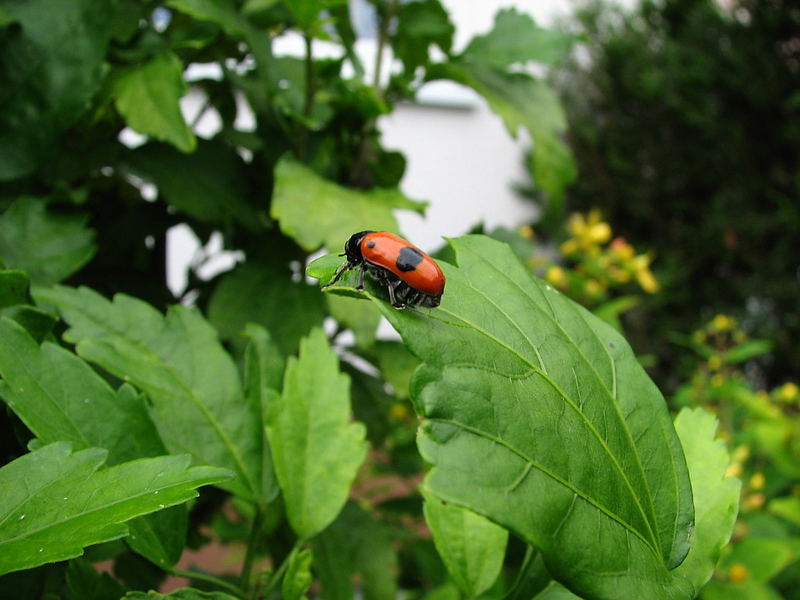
{"points": [[746, 350], [522, 101], [260, 292], [181, 594], [611, 310], [58, 397], [148, 95], [353, 315], [355, 543], [87, 583], [221, 12], [538, 416], [51, 67], [315, 449], [517, 39], [210, 184], [787, 507], [54, 502], [556, 591], [14, 285], [472, 547], [197, 401], [317, 212], [420, 24], [263, 376], [307, 12], [396, 364], [298, 576], [48, 246], [763, 558], [747, 590], [716, 496]]}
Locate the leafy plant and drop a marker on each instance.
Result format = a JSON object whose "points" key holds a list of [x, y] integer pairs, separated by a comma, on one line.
{"points": [[683, 119], [123, 396], [762, 427]]}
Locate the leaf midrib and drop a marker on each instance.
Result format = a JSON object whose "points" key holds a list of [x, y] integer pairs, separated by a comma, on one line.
{"points": [[531, 462], [182, 384], [612, 396], [30, 532], [589, 424]]}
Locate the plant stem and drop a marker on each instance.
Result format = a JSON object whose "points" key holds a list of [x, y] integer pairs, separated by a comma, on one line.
{"points": [[221, 583], [311, 82], [252, 542], [276, 577], [383, 38]]}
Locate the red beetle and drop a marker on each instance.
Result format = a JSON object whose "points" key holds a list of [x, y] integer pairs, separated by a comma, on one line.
{"points": [[411, 276]]}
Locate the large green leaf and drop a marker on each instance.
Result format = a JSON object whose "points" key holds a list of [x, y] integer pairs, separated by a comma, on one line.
{"points": [[54, 502], [316, 212], [210, 184], [148, 96], [472, 547], [539, 417], [51, 66], [59, 398], [716, 496], [258, 292], [48, 246], [515, 38], [197, 401], [316, 450]]}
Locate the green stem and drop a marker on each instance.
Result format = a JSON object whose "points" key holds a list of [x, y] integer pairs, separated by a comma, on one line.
{"points": [[311, 82], [252, 543], [278, 575], [220, 583]]}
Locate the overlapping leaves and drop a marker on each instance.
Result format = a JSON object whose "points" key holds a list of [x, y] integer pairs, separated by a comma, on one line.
{"points": [[578, 453]]}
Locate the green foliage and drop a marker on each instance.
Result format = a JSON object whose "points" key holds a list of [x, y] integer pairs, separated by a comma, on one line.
{"points": [[147, 97], [684, 125], [310, 419], [554, 458], [471, 546], [49, 247], [65, 503]]}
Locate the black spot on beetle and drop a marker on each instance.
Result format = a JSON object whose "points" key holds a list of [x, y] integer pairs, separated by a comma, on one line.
{"points": [[371, 244], [408, 259]]}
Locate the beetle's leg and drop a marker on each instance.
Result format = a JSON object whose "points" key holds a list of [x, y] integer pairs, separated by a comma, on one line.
{"points": [[342, 268], [360, 285], [392, 298]]}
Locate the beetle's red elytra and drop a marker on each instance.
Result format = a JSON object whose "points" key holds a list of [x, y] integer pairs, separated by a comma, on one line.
{"points": [[411, 277]]}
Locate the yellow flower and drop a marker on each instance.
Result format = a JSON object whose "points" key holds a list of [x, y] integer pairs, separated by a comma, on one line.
{"points": [[757, 481], [723, 323], [588, 231], [714, 362], [622, 249], [733, 470], [569, 247], [717, 380], [527, 232], [641, 268], [738, 573], [556, 276], [398, 411], [754, 501], [788, 392], [593, 288]]}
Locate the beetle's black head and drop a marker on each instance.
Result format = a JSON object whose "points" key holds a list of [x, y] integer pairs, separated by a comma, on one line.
{"points": [[352, 249]]}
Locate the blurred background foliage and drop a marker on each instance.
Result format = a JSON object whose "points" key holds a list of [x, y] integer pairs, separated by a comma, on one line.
{"points": [[673, 212], [684, 119]]}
